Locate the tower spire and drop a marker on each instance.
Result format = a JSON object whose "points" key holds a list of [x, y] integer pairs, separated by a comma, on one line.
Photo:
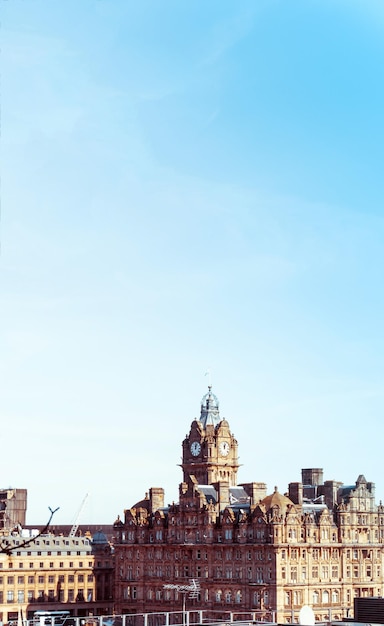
{"points": [[209, 409]]}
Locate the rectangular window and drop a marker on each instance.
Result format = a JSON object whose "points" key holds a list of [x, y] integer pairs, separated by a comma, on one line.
{"points": [[287, 598], [20, 580], [293, 574]]}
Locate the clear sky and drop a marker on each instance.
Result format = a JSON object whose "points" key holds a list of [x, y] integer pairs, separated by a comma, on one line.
{"points": [[189, 185]]}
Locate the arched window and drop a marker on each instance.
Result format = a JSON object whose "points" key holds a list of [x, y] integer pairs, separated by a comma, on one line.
{"points": [[238, 597], [325, 597], [335, 596], [315, 597], [218, 595], [287, 598]]}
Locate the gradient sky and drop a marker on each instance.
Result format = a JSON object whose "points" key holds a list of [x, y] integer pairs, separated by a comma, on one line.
{"points": [[189, 185]]}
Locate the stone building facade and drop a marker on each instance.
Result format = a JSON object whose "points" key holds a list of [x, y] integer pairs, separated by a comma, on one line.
{"points": [[13, 506], [55, 572], [321, 544]]}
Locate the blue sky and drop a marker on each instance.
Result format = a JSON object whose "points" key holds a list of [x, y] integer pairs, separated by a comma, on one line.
{"points": [[189, 185]]}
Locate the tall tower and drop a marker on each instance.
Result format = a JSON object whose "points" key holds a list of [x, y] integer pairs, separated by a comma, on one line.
{"points": [[210, 450]]}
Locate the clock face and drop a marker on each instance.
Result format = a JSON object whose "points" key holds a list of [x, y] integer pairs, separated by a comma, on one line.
{"points": [[224, 448], [195, 448]]}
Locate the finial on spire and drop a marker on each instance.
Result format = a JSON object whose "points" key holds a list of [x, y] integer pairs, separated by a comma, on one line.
{"points": [[208, 373]]}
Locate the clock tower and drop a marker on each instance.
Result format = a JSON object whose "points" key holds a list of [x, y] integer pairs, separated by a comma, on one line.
{"points": [[210, 449]]}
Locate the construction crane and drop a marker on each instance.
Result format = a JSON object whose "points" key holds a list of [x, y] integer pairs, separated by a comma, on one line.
{"points": [[73, 531]]}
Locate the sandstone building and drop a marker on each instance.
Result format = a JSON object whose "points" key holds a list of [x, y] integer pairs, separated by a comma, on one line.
{"points": [[321, 544], [54, 571]]}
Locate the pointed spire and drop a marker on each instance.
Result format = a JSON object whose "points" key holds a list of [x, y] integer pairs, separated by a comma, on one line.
{"points": [[209, 413]]}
